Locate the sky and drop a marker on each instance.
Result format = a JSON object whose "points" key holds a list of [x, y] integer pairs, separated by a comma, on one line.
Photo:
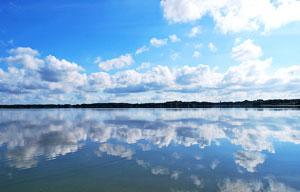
{"points": [[73, 51]]}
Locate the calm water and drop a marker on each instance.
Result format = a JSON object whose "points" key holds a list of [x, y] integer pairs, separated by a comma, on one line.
{"points": [[149, 150]]}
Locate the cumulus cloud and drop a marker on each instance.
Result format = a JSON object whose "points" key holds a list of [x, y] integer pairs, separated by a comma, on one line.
{"points": [[131, 81], [252, 72], [116, 63], [246, 51], [173, 38], [144, 65], [194, 31], [288, 74], [182, 10], [196, 54], [28, 72], [61, 70], [158, 42], [200, 75], [51, 79], [234, 16], [99, 80], [24, 56]]}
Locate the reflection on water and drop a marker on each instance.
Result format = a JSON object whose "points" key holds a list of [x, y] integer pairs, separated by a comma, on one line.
{"points": [[150, 150]]}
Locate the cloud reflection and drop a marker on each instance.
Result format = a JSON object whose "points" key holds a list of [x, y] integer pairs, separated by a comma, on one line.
{"points": [[29, 135], [249, 159], [267, 184]]}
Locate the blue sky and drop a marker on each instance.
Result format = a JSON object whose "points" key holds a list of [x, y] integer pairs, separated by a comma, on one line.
{"points": [[141, 51]]}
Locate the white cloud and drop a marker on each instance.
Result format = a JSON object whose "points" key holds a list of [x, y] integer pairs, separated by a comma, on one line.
{"points": [[28, 73], [158, 42], [23, 51], [28, 142], [51, 79], [128, 77], [212, 47], [144, 65], [99, 80], [24, 56], [197, 181], [265, 184], [196, 54], [196, 30], [198, 46], [62, 70], [288, 74], [116, 63], [234, 15], [182, 10], [252, 69], [173, 38], [247, 50], [200, 75], [244, 129], [249, 159], [175, 175], [131, 81], [250, 72], [198, 157], [141, 50], [116, 150], [214, 164], [160, 75], [2, 73], [142, 163], [160, 170]]}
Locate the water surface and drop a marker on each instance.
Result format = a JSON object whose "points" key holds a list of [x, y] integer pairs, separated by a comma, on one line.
{"points": [[89, 150]]}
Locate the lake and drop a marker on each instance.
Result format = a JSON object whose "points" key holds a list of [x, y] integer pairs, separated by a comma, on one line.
{"points": [[176, 150]]}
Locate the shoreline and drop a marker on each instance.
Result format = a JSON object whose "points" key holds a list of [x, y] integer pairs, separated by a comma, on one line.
{"points": [[278, 103]]}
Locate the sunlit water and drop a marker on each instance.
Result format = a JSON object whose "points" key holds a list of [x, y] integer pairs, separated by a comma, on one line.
{"points": [[85, 150]]}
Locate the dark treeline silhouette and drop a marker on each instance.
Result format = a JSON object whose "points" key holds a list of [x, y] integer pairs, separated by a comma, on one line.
{"points": [[276, 103]]}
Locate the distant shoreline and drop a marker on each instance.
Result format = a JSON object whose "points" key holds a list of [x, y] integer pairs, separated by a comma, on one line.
{"points": [[275, 103]]}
